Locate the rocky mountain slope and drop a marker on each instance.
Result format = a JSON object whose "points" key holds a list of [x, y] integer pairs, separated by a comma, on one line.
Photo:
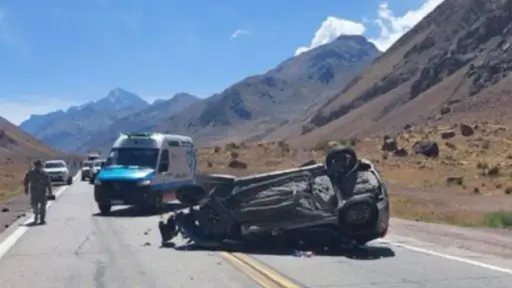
{"points": [[139, 121], [18, 145], [68, 130], [257, 105], [455, 64]]}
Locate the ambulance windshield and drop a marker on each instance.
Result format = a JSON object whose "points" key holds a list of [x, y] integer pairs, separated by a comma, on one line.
{"points": [[140, 157]]}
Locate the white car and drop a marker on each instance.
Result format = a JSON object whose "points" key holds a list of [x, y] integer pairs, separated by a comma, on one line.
{"points": [[96, 166], [58, 171], [86, 170]]}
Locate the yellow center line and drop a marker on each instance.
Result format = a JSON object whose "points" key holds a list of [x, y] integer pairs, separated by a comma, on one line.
{"points": [[262, 274]]}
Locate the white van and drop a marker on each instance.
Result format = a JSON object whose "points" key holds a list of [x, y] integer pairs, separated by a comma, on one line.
{"points": [[145, 169]]}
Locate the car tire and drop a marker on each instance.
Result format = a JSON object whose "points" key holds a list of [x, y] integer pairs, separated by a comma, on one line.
{"points": [[104, 208], [338, 154], [70, 181], [372, 213]]}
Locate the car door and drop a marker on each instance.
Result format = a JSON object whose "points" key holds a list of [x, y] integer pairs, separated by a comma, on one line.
{"points": [[164, 172]]}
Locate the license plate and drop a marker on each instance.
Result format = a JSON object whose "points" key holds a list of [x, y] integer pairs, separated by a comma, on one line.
{"points": [[117, 202]]}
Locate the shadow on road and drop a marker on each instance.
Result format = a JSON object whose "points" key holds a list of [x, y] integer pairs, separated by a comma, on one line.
{"points": [[132, 211], [368, 252], [31, 224]]}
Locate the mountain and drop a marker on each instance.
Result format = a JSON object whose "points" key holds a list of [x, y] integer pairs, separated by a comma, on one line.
{"points": [[139, 121], [67, 130], [458, 59], [254, 107], [14, 143]]}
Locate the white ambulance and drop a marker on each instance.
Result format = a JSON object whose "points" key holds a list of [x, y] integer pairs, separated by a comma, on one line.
{"points": [[145, 169]]}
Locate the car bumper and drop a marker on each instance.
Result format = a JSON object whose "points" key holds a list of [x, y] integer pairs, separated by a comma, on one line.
{"points": [[123, 193], [58, 178]]}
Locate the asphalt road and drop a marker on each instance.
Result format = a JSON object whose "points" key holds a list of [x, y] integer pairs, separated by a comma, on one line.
{"points": [[77, 248]]}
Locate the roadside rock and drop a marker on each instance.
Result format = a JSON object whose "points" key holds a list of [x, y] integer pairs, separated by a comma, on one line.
{"points": [[237, 164], [448, 134], [457, 180], [450, 145], [389, 145], [400, 152], [428, 148], [445, 110], [466, 130]]}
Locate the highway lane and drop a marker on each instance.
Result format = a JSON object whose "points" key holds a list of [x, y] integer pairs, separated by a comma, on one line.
{"points": [[80, 249]]}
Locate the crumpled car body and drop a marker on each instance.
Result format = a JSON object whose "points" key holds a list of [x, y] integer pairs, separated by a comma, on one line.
{"points": [[338, 203]]}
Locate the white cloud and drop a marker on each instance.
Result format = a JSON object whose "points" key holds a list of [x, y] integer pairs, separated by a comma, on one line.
{"points": [[239, 32], [391, 27], [331, 29], [20, 108]]}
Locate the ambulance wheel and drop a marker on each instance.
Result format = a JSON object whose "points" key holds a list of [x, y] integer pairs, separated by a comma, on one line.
{"points": [[158, 203], [104, 208]]}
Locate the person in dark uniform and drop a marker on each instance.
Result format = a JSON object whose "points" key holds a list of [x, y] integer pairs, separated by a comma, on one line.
{"points": [[37, 182]]}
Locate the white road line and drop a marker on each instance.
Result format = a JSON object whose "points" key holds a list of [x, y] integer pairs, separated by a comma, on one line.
{"points": [[15, 236], [450, 257]]}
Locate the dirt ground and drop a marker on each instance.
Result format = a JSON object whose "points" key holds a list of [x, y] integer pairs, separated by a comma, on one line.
{"points": [[468, 184], [13, 203]]}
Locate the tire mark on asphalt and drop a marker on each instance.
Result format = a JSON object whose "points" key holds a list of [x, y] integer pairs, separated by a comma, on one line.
{"points": [[99, 275], [79, 247]]}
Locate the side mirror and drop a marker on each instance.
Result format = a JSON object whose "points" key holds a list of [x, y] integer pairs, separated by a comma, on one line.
{"points": [[163, 167]]}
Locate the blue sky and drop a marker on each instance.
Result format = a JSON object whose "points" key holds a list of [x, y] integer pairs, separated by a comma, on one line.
{"points": [[56, 53]]}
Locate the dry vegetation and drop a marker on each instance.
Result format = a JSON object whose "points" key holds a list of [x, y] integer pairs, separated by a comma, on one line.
{"points": [[11, 177], [468, 183]]}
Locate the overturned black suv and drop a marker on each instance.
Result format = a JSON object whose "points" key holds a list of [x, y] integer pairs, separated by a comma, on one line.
{"points": [[342, 202]]}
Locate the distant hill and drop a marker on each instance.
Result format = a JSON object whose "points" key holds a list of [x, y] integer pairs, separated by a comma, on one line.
{"points": [[17, 144], [139, 121], [254, 107], [67, 130], [458, 59], [250, 109]]}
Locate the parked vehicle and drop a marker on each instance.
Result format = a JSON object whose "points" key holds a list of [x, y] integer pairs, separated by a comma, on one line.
{"points": [[86, 170], [58, 171], [145, 170], [96, 166]]}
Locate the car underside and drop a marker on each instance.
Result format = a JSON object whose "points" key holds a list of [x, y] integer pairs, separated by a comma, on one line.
{"points": [[341, 203]]}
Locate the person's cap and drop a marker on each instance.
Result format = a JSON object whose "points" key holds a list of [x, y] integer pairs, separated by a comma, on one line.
{"points": [[38, 163]]}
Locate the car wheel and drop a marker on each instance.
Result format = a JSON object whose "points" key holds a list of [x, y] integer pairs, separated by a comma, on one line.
{"points": [[104, 208], [70, 181]]}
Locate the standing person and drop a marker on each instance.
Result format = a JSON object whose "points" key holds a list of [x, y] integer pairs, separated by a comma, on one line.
{"points": [[39, 182]]}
